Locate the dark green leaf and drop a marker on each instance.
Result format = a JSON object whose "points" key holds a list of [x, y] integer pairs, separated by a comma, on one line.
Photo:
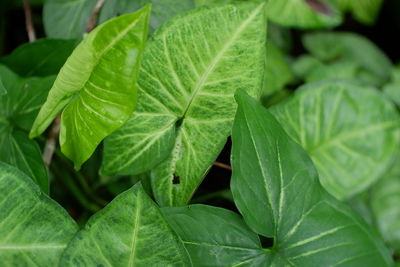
{"points": [[215, 236], [96, 86], [18, 108], [189, 74], [3, 90], [67, 19], [365, 11], [34, 230], [130, 231], [41, 58], [331, 46], [276, 188], [351, 132]]}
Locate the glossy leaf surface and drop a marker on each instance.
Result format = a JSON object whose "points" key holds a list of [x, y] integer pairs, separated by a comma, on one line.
{"points": [[34, 229], [350, 132], [46, 57], [330, 46], [303, 14], [189, 74], [215, 236], [18, 109], [67, 19], [130, 231], [275, 187], [96, 86]]}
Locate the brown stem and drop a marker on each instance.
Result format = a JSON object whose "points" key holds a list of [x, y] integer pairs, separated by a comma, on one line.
{"points": [[28, 21], [223, 165], [92, 22], [51, 141]]}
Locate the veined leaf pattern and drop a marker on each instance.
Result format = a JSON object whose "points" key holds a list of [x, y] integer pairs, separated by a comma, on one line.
{"points": [[189, 74]]}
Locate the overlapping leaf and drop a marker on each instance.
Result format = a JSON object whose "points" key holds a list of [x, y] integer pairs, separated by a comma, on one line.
{"points": [[304, 14], [97, 86], [130, 231], [189, 74], [67, 19], [46, 57], [34, 230], [365, 11], [18, 109], [350, 132], [276, 188], [162, 10], [332, 46]]}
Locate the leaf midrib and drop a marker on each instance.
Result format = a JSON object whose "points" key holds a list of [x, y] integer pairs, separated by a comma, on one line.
{"points": [[218, 57]]}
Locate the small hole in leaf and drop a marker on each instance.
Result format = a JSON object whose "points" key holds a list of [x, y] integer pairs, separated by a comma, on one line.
{"points": [[266, 242], [179, 122], [176, 179], [319, 7]]}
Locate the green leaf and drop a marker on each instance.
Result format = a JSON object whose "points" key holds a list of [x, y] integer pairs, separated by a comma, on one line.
{"points": [[304, 65], [46, 57], [351, 133], [385, 197], [67, 19], [18, 108], [275, 187], [392, 89], [130, 231], [162, 10], [307, 14], [34, 230], [365, 11], [343, 70], [277, 71], [189, 74], [215, 236], [331, 46], [3, 90], [96, 86]]}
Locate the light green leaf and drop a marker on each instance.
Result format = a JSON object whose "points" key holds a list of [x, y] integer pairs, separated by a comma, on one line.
{"points": [[215, 236], [275, 187], [385, 199], [46, 57], [97, 86], [277, 71], [130, 231], [189, 74], [344, 70], [392, 89], [67, 19], [161, 10], [365, 11], [331, 46], [18, 108], [34, 230], [304, 14], [350, 132], [304, 65]]}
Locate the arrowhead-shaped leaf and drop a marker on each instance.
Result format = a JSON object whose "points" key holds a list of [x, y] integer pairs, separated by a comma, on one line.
{"points": [[130, 231], [331, 46], [18, 108], [189, 74], [34, 230], [276, 188], [97, 86], [304, 13], [352, 133], [46, 57]]}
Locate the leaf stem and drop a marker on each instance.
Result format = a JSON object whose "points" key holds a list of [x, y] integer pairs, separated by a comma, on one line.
{"points": [[51, 142], [222, 165], [92, 22], [30, 29]]}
